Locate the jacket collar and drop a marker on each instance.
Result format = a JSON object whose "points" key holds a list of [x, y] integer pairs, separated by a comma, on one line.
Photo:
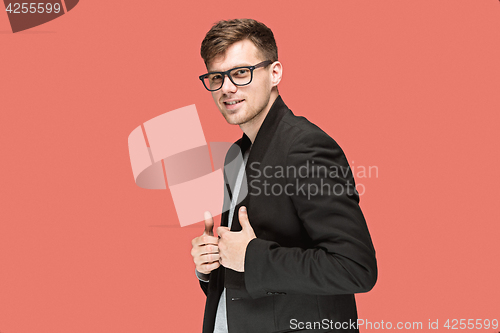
{"points": [[265, 133], [257, 152]]}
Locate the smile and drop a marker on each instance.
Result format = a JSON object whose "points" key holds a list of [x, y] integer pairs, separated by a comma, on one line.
{"points": [[233, 102]]}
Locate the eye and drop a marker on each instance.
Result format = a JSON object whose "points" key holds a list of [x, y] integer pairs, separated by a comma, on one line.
{"points": [[241, 72], [215, 77]]}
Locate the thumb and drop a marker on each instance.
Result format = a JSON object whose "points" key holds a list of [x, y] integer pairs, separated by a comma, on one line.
{"points": [[243, 217], [209, 224]]}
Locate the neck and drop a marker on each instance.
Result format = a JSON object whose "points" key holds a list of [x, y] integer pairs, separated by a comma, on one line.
{"points": [[252, 127]]}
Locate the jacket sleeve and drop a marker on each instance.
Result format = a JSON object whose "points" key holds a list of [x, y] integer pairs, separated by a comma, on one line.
{"points": [[341, 259], [204, 287], [204, 279]]}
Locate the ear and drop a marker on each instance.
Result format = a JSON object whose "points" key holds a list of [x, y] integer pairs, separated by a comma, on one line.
{"points": [[276, 73]]}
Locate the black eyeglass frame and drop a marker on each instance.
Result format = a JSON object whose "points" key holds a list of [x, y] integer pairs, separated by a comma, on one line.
{"points": [[228, 74]]}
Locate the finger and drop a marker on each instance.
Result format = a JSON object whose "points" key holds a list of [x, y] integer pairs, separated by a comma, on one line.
{"points": [[207, 268], [200, 256], [198, 251], [203, 258], [209, 258], [208, 240], [222, 230], [204, 240], [243, 217], [209, 224], [207, 250]]}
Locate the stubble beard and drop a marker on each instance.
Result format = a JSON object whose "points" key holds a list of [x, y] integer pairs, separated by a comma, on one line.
{"points": [[241, 119], [249, 115]]}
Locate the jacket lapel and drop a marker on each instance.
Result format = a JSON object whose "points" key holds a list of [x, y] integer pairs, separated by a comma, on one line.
{"points": [[257, 153]]}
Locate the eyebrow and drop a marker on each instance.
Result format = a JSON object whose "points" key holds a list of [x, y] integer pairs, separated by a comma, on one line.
{"points": [[236, 66]]}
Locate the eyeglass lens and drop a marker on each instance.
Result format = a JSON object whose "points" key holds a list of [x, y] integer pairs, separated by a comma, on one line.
{"points": [[239, 76]]}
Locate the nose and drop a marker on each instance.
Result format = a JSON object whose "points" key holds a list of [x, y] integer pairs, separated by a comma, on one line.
{"points": [[228, 86]]}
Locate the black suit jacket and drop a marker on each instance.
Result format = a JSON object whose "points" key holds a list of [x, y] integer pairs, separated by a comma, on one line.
{"points": [[313, 250]]}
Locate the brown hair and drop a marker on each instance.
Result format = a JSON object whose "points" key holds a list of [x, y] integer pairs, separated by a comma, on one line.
{"points": [[225, 33]]}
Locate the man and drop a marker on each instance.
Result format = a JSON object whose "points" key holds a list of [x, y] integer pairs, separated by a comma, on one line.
{"points": [[293, 252]]}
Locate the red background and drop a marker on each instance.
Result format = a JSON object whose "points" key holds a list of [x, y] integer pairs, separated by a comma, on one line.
{"points": [[411, 87]]}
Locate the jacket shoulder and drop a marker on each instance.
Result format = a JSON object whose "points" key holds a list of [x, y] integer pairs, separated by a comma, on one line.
{"points": [[298, 128]]}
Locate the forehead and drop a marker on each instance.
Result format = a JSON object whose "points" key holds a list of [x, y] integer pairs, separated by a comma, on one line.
{"points": [[242, 53]]}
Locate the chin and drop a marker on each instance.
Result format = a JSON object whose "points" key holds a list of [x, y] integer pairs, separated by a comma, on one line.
{"points": [[236, 118], [233, 121]]}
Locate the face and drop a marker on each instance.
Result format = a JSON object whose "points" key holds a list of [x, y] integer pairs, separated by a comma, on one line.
{"points": [[242, 105]]}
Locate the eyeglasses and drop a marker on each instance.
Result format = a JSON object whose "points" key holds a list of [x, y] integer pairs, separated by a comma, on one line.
{"points": [[239, 76]]}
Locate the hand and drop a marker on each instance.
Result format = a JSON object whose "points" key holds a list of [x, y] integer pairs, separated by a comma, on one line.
{"points": [[205, 249], [233, 245]]}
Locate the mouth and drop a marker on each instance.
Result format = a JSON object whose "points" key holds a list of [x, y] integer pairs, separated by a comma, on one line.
{"points": [[233, 102]]}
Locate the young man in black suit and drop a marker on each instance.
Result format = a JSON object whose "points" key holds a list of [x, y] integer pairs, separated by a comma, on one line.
{"points": [[291, 253]]}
